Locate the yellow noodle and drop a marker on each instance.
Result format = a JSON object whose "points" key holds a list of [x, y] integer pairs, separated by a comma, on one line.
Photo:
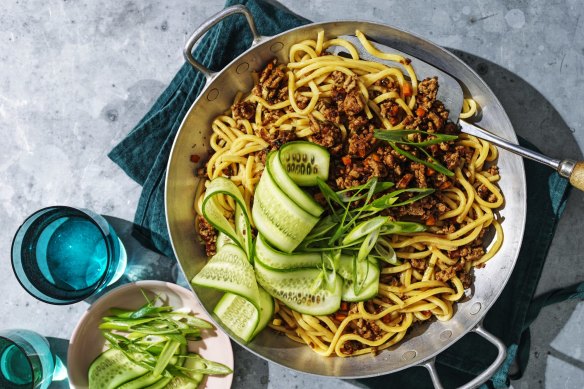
{"points": [[469, 108]]}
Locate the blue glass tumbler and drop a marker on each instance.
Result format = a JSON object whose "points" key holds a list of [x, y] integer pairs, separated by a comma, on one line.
{"points": [[26, 361], [62, 255]]}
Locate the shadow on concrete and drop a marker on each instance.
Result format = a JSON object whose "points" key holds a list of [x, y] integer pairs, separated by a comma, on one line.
{"points": [[59, 348], [250, 370], [144, 262]]}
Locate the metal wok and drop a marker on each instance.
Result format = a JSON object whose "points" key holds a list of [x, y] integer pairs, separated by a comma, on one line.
{"points": [[424, 342]]}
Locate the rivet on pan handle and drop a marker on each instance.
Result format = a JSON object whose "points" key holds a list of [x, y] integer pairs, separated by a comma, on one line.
{"points": [[485, 375], [203, 28]]}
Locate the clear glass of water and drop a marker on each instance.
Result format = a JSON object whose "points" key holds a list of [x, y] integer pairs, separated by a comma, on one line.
{"points": [[26, 361], [62, 255]]}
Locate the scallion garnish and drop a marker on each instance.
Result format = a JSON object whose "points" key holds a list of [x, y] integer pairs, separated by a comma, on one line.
{"points": [[395, 137]]}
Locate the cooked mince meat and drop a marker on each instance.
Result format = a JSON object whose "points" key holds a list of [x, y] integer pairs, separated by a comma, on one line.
{"points": [[271, 82], [270, 117], [208, 235], [302, 101], [357, 123], [329, 111], [466, 279], [243, 110], [353, 104], [275, 140], [362, 142], [326, 134], [446, 274], [392, 112], [427, 91]]}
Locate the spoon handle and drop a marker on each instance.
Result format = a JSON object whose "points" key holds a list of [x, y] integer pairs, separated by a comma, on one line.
{"points": [[577, 176], [568, 168]]}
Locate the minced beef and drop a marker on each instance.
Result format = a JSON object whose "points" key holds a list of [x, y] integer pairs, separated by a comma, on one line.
{"points": [[466, 279], [326, 134], [329, 111], [446, 274], [271, 82], [243, 110], [427, 91], [352, 104], [362, 142], [209, 236], [276, 138], [392, 112]]}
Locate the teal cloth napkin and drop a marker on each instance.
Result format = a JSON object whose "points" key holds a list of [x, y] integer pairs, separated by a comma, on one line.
{"points": [[144, 153]]}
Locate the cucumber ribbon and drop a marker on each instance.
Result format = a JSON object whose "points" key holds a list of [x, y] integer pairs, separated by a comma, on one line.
{"points": [[241, 233], [230, 270]]}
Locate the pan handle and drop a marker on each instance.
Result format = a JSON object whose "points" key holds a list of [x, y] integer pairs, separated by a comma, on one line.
{"points": [[203, 28], [485, 375]]}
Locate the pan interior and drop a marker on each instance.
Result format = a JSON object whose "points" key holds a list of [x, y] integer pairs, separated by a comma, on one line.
{"points": [[424, 341]]}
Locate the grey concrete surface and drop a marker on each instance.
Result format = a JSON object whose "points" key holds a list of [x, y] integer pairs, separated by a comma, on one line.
{"points": [[75, 76]]}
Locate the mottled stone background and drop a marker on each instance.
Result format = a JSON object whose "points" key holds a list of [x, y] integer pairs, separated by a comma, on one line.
{"points": [[75, 76]]}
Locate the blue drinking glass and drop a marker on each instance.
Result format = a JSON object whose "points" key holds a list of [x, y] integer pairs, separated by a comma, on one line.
{"points": [[26, 361], [62, 255]]}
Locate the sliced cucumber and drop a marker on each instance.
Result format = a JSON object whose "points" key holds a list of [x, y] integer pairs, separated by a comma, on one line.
{"points": [[142, 382], [283, 223], [266, 311], [160, 384], [181, 382], [293, 288], [192, 363], [345, 267], [305, 161], [222, 240], [230, 271], [214, 214], [370, 286], [238, 315], [194, 377], [243, 229], [112, 369], [277, 260], [288, 186]]}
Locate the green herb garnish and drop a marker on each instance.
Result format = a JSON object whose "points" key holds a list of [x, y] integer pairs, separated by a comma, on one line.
{"points": [[395, 137], [354, 227]]}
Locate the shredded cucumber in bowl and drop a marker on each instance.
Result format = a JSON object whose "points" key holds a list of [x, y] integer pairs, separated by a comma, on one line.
{"points": [[148, 348]]}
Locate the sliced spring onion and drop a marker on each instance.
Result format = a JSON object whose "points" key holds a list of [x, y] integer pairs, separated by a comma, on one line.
{"points": [[368, 244], [401, 228], [434, 164], [364, 228], [401, 136]]}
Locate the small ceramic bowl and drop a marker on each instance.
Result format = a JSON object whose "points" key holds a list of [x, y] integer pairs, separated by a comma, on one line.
{"points": [[87, 342]]}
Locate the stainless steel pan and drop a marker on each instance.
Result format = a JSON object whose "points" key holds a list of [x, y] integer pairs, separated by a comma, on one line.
{"points": [[424, 342]]}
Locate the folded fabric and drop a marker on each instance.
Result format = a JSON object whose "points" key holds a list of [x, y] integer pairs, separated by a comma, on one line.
{"points": [[144, 153]]}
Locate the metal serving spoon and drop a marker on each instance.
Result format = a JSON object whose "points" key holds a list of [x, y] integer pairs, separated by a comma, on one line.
{"points": [[451, 95]]}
